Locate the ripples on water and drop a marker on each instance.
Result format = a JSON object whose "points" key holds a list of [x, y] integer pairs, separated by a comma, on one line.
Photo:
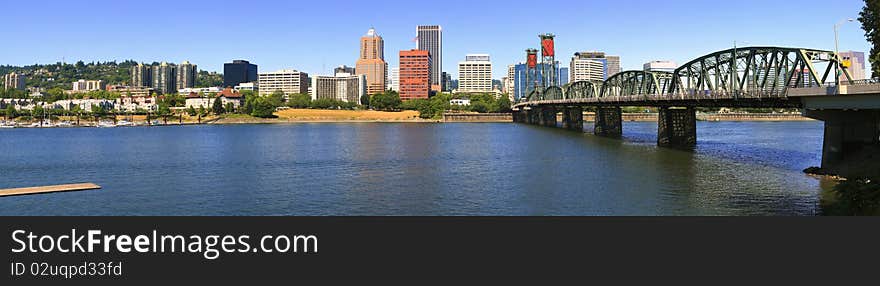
{"points": [[738, 168]]}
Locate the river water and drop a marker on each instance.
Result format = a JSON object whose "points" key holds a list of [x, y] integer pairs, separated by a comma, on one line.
{"points": [[737, 168]]}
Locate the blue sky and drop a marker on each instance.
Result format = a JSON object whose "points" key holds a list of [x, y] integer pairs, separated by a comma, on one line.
{"points": [[315, 36]]}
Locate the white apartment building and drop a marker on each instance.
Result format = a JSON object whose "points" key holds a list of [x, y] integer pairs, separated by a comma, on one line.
{"points": [[287, 81], [88, 85], [584, 69], [664, 66], [475, 74], [343, 87]]}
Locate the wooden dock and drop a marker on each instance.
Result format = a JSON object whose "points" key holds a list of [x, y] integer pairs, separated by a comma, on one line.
{"points": [[48, 189]]}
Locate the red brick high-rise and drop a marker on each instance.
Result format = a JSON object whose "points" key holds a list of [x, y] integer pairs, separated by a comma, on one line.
{"points": [[415, 74]]}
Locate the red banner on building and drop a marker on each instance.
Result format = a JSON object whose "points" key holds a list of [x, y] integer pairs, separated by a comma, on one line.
{"points": [[547, 47], [532, 60]]}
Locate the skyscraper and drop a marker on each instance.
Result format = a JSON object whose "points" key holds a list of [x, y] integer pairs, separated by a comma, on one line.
{"points": [[415, 74], [164, 78], [521, 86], [430, 39], [446, 82], [238, 71], [371, 62], [475, 74], [141, 76], [186, 75]]}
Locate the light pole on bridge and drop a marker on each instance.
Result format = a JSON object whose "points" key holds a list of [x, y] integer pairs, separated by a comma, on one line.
{"points": [[837, 50]]}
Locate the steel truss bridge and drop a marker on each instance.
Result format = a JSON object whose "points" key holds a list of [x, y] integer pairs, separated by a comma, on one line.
{"points": [[760, 77]]}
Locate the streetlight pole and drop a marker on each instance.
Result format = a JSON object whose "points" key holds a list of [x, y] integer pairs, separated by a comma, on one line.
{"points": [[837, 50]]}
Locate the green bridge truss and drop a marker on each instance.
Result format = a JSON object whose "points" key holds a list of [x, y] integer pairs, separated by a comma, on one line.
{"points": [[749, 72]]}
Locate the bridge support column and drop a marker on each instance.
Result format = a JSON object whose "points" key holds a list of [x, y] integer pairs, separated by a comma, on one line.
{"points": [[516, 115], [548, 116], [608, 122], [851, 147], [573, 118], [677, 127], [533, 116]]}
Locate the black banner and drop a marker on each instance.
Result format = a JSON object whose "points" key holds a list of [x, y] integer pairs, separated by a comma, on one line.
{"points": [[422, 250]]}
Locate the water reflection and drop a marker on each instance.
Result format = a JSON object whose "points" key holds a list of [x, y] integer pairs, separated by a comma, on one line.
{"points": [[414, 169]]}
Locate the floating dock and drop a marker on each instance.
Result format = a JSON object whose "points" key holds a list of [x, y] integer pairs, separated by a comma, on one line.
{"points": [[48, 189]]}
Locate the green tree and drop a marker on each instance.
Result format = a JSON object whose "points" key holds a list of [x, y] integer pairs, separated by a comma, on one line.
{"points": [[191, 111], [299, 100], [217, 107], [365, 100], [203, 111], [263, 108], [324, 103], [163, 109], [503, 104], [276, 99], [388, 101], [479, 106], [870, 18], [10, 111], [230, 107]]}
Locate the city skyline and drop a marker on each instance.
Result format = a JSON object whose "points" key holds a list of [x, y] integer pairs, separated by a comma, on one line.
{"points": [[275, 41]]}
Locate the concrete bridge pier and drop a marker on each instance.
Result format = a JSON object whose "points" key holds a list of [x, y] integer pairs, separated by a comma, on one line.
{"points": [[677, 127], [573, 118], [548, 117], [534, 116], [851, 147], [608, 122]]}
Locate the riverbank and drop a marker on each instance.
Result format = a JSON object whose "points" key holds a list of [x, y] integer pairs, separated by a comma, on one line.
{"points": [[323, 115], [365, 116]]}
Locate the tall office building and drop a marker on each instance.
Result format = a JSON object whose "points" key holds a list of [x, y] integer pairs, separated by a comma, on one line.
{"points": [[237, 72], [663, 66], [14, 81], [164, 78], [415, 74], [446, 82], [522, 86], [613, 63], [475, 74], [343, 87], [394, 79], [430, 39], [589, 66], [343, 69], [372, 62], [186, 75], [563, 76], [141, 76], [854, 63], [287, 81], [510, 79]]}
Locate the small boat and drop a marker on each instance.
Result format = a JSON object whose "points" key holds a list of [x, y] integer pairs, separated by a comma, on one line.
{"points": [[105, 124], [124, 123], [4, 124], [64, 124]]}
